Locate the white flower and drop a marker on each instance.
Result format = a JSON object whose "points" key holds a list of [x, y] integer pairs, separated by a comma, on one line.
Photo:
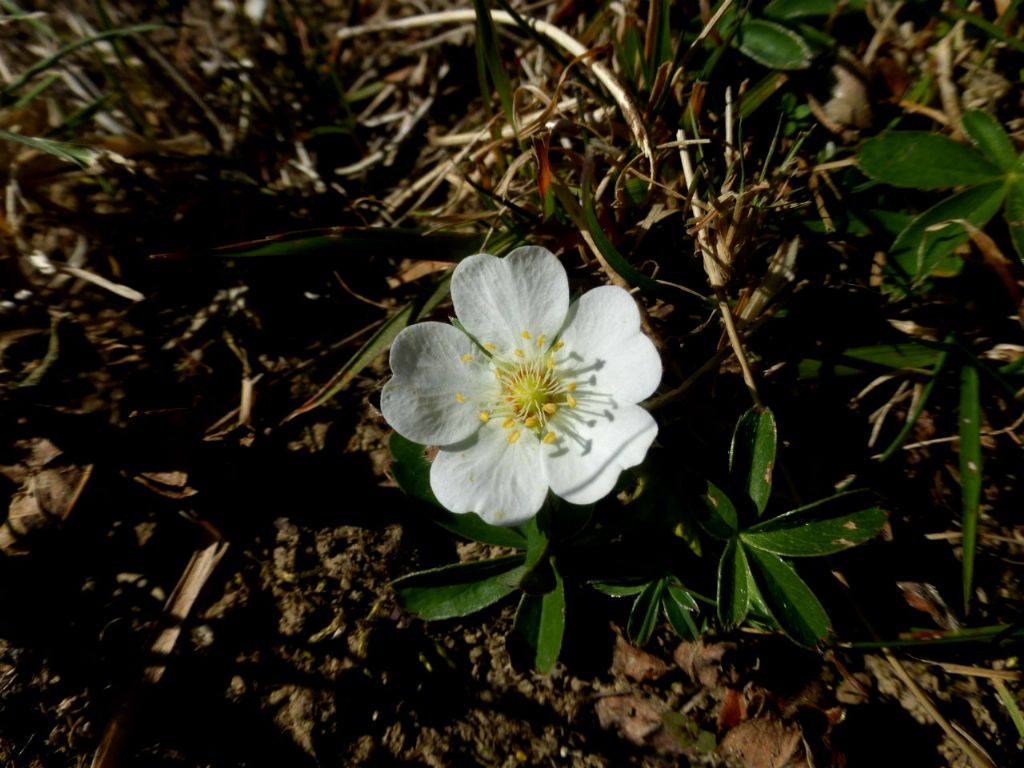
{"points": [[533, 394]]}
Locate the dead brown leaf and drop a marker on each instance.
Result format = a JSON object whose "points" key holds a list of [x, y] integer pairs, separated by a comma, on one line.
{"points": [[765, 742]]}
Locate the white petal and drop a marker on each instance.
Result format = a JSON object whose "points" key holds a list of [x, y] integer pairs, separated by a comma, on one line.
{"points": [[497, 299], [422, 400], [584, 466], [604, 329], [503, 483]]}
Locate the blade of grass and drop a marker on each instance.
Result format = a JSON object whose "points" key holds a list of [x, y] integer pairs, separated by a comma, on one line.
{"points": [[1010, 703], [918, 408], [970, 471], [488, 55], [377, 343], [7, 94]]}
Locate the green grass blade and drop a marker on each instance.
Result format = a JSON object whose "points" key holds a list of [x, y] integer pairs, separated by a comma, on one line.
{"points": [[380, 341], [69, 153], [970, 471], [6, 95], [489, 54], [916, 412]]}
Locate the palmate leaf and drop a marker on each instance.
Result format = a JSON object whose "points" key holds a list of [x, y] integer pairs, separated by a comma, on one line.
{"points": [[680, 608], [926, 246], [773, 45], [822, 528], [924, 161], [717, 515], [990, 138], [459, 589], [643, 616], [788, 598], [1014, 212], [752, 455], [735, 583]]}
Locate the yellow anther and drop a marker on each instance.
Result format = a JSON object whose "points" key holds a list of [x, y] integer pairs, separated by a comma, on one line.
{"points": [[531, 422], [485, 416], [518, 352], [558, 345], [513, 436], [466, 357], [525, 335], [550, 437], [490, 346], [551, 362], [571, 401], [550, 408], [571, 386], [508, 423], [540, 341], [459, 397]]}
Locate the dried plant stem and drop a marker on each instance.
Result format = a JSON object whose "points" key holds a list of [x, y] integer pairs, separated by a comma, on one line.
{"points": [[550, 31], [973, 754], [716, 277], [176, 612]]}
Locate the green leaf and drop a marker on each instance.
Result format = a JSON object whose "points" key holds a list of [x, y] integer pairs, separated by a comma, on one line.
{"points": [[643, 616], [734, 583], [970, 471], [540, 624], [923, 161], [1014, 212], [787, 10], [69, 153], [773, 45], [718, 516], [792, 604], [989, 136], [920, 251], [459, 589], [752, 455], [680, 608], [822, 528], [615, 589]]}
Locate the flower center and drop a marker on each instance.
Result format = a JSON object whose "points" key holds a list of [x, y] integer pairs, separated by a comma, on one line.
{"points": [[532, 387], [528, 391]]}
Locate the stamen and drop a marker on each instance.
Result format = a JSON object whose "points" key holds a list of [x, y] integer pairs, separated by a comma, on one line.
{"points": [[570, 387], [490, 346], [551, 362], [540, 341], [557, 346], [459, 397], [508, 423], [513, 436], [525, 335], [485, 416], [531, 422], [571, 401], [518, 352], [550, 408], [466, 358], [550, 437]]}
